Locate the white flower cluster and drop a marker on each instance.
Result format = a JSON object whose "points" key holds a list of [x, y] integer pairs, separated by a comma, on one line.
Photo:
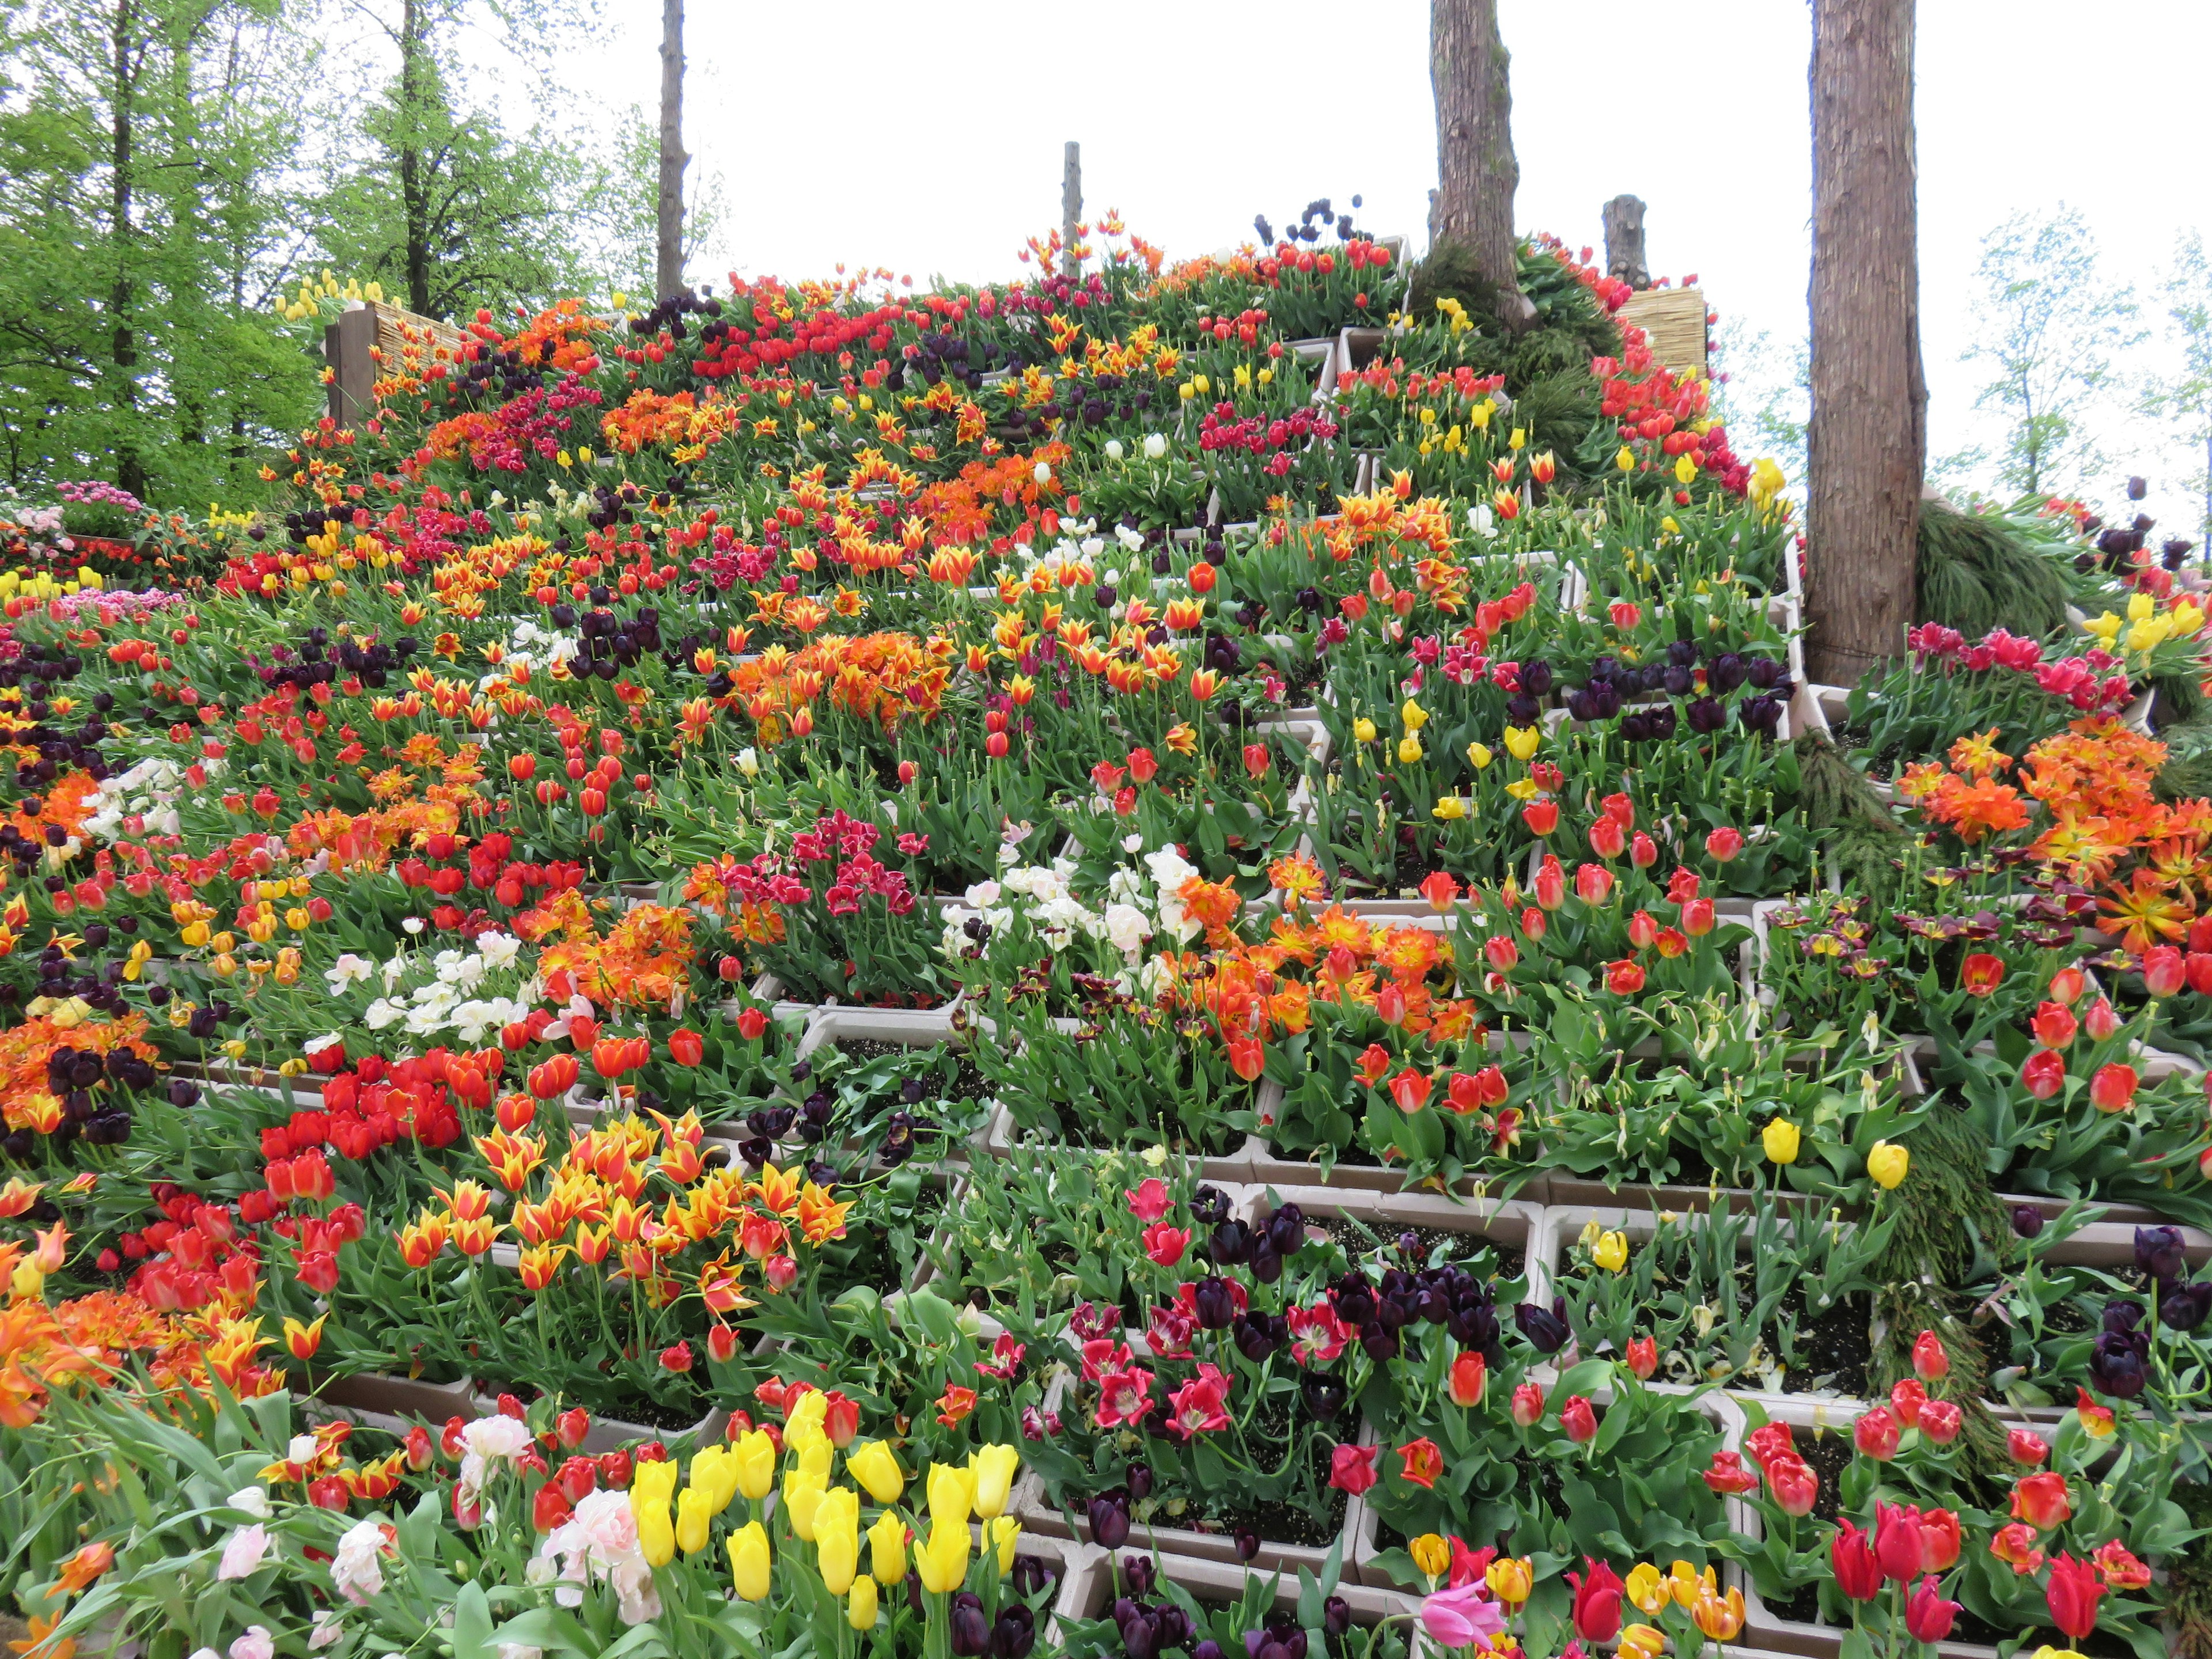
{"points": [[450, 998], [1139, 906], [599, 1542], [149, 790]]}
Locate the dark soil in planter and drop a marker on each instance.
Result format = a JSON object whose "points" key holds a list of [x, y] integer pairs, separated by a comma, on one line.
{"points": [[1284, 1521], [646, 1412], [1359, 1238], [873, 1261], [967, 1083], [1353, 1157]]}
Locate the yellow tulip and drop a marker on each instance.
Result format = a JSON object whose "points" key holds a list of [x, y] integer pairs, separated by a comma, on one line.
{"points": [[802, 1424], [1432, 1555], [1449, 809], [1642, 1642], [1511, 1580], [1611, 1252], [1887, 1163], [802, 1495], [942, 1562], [1479, 757], [1647, 1588], [695, 1518], [837, 1538], [814, 1459], [872, 1465], [1686, 1584], [1413, 716], [1719, 1618], [753, 1460], [1521, 741], [1780, 1138], [749, 1561], [1409, 750], [1685, 470], [1625, 460], [860, 1605], [993, 1468], [1005, 1535], [1364, 729], [652, 1484], [887, 1548], [951, 1494], [1519, 440]]}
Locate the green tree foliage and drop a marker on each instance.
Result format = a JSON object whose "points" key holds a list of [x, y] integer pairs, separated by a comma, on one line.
{"points": [[2052, 333], [2182, 398]]}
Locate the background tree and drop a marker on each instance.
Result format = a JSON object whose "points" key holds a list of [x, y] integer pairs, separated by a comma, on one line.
{"points": [[1472, 207], [2053, 334], [1867, 430], [668, 228], [2182, 398]]}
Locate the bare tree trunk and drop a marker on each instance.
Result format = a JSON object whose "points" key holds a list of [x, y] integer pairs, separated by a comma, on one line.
{"points": [[414, 188], [1624, 241], [1476, 172], [1866, 444], [130, 466], [668, 264]]}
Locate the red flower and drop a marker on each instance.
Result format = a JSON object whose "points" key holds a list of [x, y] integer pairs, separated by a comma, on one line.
{"points": [[1593, 883], [1351, 1468], [2026, 1448], [2015, 1544], [1851, 1559], [1981, 973], [2073, 1594], [1940, 1421], [1793, 1485], [1606, 839], [1409, 1090], [1898, 1546], [1542, 817], [1940, 1541], [2113, 1088], [1698, 918], [1728, 1473], [1643, 1357], [2066, 985], [1165, 1244], [1373, 1063], [1875, 1434], [2163, 971], [1928, 1615], [1501, 952], [2041, 1500], [1724, 844], [2054, 1025], [1528, 1404], [1906, 1397], [1199, 1405], [1420, 1461], [2120, 1569], [1597, 1602], [1149, 1199], [2043, 1074], [1624, 978], [1440, 890], [677, 1359], [1930, 1361], [954, 1404], [1248, 1057], [1464, 1382], [1142, 766], [1578, 1421]]}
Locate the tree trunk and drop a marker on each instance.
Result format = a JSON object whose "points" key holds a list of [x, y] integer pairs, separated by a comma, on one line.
{"points": [[1866, 444], [668, 265], [1624, 241], [129, 467], [1476, 173], [414, 188]]}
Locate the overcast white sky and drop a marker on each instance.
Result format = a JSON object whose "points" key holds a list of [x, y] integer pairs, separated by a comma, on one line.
{"points": [[928, 137]]}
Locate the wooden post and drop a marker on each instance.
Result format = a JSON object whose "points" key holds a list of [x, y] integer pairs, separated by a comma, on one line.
{"points": [[1070, 210], [1865, 444], [1624, 241], [1476, 170], [668, 218], [346, 344]]}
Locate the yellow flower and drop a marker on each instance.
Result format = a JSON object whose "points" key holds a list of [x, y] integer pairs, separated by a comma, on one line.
{"points": [[1521, 741], [1625, 459], [1611, 1252], [1683, 1581], [1511, 1579], [1719, 1618], [993, 1468], [1432, 1555], [1519, 439], [802, 1428], [872, 1465], [695, 1518], [1646, 1588], [837, 1538], [887, 1548], [1642, 1642], [1364, 729], [860, 1605], [1413, 716], [753, 1460], [1409, 750], [2141, 606], [1887, 1163], [1685, 470], [749, 1561], [2186, 618], [1448, 809], [942, 1562], [803, 1492], [652, 1485], [951, 1494], [1005, 1535], [1780, 1138], [1479, 757]]}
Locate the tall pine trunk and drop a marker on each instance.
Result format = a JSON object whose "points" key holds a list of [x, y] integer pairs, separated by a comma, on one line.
{"points": [[129, 465], [1476, 173], [668, 264], [1866, 445]]}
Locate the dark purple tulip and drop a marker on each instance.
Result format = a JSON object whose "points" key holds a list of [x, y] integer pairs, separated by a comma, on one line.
{"points": [[1355, 1302], [1764, 672], [2116, 1369], [1215, 1304], [1231, 1243], [1546, 1328], [1336, 1617], [183, 1091], [1380, 1345], [2158, 1252], [1032, 1574], [1322, 1396], [1522, 709], [1253, 1338], [1139, 1479], [1109, 1521], [1706, 716], [1172, 1623], [1583, 705], [1286, 1230], [1636, 728], [1681, 653], [1125, 1607], [1726, 672], [1662, 722], [1536, 678], [1209, 1649], [1138, 1573], [971, 1630], [1140, 1637], [1267, 1261], [1014, 1632], [1677, 681], [2027, 1220], [1247, 1544], [2183, 1307], [2122, 1317], [2137, 490]]}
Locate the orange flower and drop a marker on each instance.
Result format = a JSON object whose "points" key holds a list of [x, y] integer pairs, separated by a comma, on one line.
{"points": [[88, 1564], [954, 1404]]}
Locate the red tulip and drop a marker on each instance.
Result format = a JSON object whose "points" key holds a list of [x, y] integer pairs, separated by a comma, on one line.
{"points": [[548, 1508], [1928, 1615], [2163, 971], [1351, 1468], [1851, 1559], [1593, 883], [2041, 1500], [1542, 817], [686, 1047], [1597, 1602], [1247, 1058], [721, 1344], [677, 1359], [1578, 1421], [1906, 1397], [2044, 1074], [1940, 1541], [1981, 973], [2073, 1594], [2113, 1088], [1409, 1090], [1642, 851], [2026, 1448], [1698, 918], [752, 1022], [1643, 1357], [2198, 971], [2053, 1024], [1898, 1545], [2100, 1022], [1940, 1421], [1930, 1361], [1528, 1404], [1551, 883], [1465, 1381], [1606, 840], [2066, 985], [522, 767], [1875, 1434], [1792, 1484], [1164, 1245], [1724, 844], [1624, 978], [1501, 952], [1728, 1473]]}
